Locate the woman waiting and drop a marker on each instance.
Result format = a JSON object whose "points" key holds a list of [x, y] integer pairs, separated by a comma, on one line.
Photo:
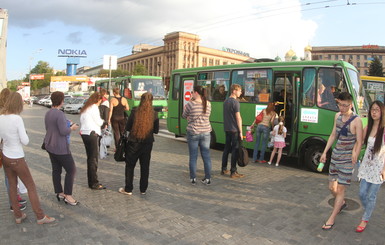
{"points": [[372, 169], [118, 106], [58, 130], [90, 130], [3, 98], [263, 131], [142, 124], [197, 112], [14, 136]]}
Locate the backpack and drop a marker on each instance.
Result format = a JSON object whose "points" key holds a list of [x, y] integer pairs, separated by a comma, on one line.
{"points": [[243, 156]]}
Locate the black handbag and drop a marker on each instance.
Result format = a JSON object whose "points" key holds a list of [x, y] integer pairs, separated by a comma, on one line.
{"points": [[120, 153], [243, 156]]}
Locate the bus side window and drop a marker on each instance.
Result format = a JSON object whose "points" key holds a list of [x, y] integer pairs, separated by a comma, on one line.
{"points": [[176, 87], [330, 86], [308, 87]]}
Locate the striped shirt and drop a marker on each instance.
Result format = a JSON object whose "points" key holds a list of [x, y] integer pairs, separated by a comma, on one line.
{"points": [[198, 122]]}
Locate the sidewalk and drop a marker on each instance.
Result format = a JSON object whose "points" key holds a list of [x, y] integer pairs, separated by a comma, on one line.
{"points": [[270, 205]]}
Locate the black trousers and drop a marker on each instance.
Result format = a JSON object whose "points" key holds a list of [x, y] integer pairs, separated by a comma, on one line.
{"points": [[134, 152], [91, 143], [58, 163], [231, 145], [118, 125]]}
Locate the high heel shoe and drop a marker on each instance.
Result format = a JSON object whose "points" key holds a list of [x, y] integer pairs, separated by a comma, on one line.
{"points": [[71, 203], [362, 228], [59, 197]]}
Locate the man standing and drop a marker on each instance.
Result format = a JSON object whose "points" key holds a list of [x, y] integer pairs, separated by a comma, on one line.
{"points": [[347, 131], [233, 128]]}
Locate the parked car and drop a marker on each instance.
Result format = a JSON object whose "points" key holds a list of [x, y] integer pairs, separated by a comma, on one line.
{"points": [[75, 106], [67, 100], [43, 100]]}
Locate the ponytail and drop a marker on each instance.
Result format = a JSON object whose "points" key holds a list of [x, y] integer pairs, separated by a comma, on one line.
{"points": [[202, 92]]}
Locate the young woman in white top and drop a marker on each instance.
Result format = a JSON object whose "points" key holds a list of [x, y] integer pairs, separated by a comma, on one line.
{"points": [[90, 130], [372, 169], [14, 136]]}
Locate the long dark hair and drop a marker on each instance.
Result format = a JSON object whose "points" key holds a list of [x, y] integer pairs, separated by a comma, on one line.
{"points": [[380, 129], [93, 99], [144, 117], [202, 92]]}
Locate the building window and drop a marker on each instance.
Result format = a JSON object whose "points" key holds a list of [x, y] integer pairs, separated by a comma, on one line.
{"points": [[320, 57], [211, 62], [358, 64], [343, 57], [365, 57], [366, 64], [330, 56], [204, 61]]}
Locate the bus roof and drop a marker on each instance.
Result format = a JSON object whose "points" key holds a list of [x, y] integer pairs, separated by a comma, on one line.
{"points": [[372, 78], [272, 64]]}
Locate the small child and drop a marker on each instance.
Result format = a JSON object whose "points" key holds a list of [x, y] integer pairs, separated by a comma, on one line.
{"points": [[279, 133]]}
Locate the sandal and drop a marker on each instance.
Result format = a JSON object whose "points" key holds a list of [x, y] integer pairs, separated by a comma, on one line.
{"points": [[99, 187], [325, 228], [362, 228]]}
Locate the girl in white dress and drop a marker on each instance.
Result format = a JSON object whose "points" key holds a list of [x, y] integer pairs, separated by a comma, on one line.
{"points": [[372, 171]]}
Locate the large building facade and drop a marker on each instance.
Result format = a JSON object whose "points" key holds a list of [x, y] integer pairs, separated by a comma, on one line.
{"points": [[3, 47], [359, 56], [180, 50]]}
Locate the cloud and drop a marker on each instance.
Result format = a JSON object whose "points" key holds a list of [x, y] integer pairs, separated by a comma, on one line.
{"points": [[261, 28], [75, 37]]}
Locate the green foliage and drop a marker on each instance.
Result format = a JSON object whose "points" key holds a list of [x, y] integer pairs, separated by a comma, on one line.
{"points": [[375, 68], [12, 85], [140, 69], [42, 67], [114, 73]]}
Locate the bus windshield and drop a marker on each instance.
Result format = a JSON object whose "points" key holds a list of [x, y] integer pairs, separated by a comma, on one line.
{"points": [[154, 86], [362, 102]]}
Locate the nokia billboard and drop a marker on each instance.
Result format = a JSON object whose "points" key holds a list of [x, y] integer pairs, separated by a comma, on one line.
{"points": [[71, 53]]}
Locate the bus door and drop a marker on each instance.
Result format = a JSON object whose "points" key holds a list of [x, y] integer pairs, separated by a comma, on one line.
{"points": [[284, 94], [180, 94], [187, 88]]}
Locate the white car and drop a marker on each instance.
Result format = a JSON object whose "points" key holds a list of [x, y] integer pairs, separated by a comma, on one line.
{"points": [[46, 98], [75, 106]]}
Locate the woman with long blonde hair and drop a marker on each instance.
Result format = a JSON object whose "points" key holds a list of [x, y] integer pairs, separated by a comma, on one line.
{"points": [[142, 124]]}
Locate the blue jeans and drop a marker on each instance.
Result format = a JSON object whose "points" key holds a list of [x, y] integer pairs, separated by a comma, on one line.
{"points": [[368, 196], [262, 131], [231, 145], [203, 141]]}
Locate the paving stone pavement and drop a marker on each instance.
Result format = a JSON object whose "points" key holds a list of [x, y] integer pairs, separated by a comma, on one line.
{"points": [[270, 205]]}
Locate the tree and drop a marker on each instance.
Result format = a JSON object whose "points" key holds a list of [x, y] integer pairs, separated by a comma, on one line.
{"points": [[42, 67], [140, 69], [375, 68]]}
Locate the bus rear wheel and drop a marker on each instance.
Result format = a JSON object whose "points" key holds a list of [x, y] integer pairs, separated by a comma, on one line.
{"points": [[312, 156]]}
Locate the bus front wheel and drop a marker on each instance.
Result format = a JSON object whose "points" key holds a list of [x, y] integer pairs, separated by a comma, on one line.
{"points": [[312, 156]]}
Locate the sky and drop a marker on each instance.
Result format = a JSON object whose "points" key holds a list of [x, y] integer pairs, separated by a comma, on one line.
{"points": [[37, 29]]}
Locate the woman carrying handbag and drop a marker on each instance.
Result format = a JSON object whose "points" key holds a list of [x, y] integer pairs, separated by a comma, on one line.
{"points": [[263, 131]]}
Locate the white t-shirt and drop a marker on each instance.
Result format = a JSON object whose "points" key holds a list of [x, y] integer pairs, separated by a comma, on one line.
{"points": [[279, 137], [14, 136], [90, 121]]}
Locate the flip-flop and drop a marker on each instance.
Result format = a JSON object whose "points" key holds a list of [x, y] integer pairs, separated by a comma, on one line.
{"points": [[327, 229], [343, 207]]}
